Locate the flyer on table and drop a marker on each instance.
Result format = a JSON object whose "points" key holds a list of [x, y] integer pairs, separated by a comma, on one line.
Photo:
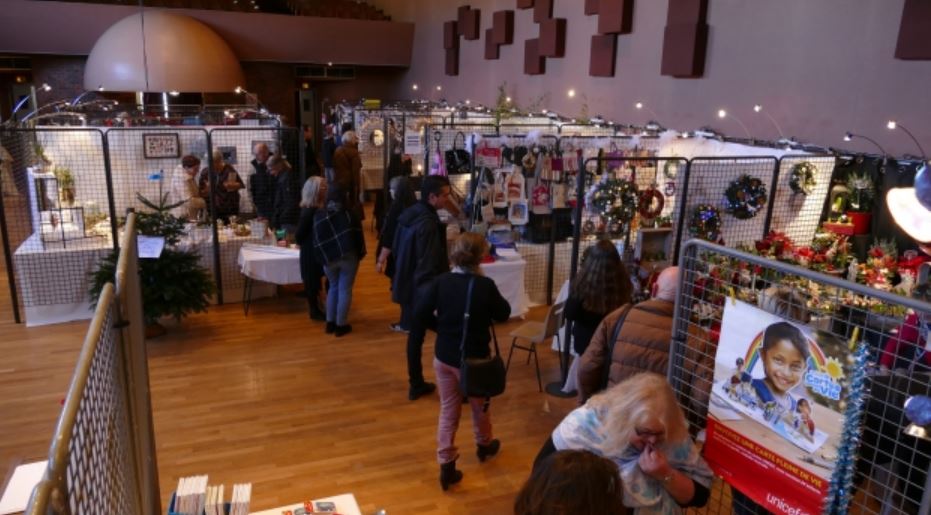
{"points": [[776, 409]]}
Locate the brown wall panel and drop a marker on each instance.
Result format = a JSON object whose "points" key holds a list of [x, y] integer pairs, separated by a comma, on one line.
{"points": [[603, 55], [503, 26], [591, 6], [491, 48], [542, 10], [462, 14], [914, 41], [553, 37], [534, 63], [615, 16], [684, 48], [450, 35], [687, 11], [452, 62], [473, 25], [524, 4]]}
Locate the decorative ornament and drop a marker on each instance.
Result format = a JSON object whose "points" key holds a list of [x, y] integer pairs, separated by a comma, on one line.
{"points": [[841, 488], [802, 180], [671, 169], [615, 199], [705, 222], [745, 197], [651, 203]]}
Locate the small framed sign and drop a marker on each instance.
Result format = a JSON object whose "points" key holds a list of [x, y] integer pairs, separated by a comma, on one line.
{"points": [[161, 146]]}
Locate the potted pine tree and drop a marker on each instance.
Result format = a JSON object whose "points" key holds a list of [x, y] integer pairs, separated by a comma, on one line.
{"points": [[174, 284], [861, 193]]}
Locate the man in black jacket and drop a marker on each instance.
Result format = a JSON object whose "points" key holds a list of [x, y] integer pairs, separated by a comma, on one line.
{"points": [[261, 184], [420, 255], [287, 195]]}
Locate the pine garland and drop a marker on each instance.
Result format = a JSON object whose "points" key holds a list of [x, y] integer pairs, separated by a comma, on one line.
{"points": [[841, 488]]}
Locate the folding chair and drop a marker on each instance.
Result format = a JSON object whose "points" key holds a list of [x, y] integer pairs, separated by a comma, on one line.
{"points": [[537, 332]]}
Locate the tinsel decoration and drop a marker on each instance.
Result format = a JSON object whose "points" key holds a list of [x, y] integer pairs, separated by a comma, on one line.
{"points": [[616, 200], [745, 197], [802, 179], [841, 488], [705, 222]]}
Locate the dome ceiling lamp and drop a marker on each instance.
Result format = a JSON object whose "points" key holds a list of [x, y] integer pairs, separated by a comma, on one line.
{"points": [[158, 51]]}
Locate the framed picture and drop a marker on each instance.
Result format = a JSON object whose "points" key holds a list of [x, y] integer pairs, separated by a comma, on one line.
{"points": [[160, 146], [272, 145], [229, 154]]}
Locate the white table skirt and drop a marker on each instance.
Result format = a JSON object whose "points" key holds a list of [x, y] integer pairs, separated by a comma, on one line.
{"points": [[270, 264], [509, 277]]}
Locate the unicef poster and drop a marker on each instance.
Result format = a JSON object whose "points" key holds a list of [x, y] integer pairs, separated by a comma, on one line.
{"points": [[776, 409]]}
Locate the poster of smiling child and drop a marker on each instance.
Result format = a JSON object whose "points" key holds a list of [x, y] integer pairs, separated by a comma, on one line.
{"points": [[775, 411]]}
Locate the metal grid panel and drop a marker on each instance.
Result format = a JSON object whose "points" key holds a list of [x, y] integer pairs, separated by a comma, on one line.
{"points": [[796, 214], [100, 474], [283, 142], [56, 214], [709, 178], [892, 467]]}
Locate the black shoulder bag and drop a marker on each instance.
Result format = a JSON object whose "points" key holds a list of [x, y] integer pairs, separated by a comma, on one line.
{"points": [[458, 160], [479, 377], [610, 357]]}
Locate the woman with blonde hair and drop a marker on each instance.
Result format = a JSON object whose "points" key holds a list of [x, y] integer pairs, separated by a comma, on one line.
{"points": [[442, 305], [313, 195], [639, 425]]}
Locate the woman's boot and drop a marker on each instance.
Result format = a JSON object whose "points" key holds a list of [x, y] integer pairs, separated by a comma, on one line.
{"points": [[488, 450], [449, 475]]}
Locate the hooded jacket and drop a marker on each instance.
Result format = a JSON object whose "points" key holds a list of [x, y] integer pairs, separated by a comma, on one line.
{"points": [[419, 248]]}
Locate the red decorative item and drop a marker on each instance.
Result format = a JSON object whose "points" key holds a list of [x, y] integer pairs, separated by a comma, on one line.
{"points": [[651, 203], [860, 221]]}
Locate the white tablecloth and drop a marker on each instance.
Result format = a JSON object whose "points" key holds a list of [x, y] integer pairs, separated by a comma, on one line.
{"points": [[276, 265], [345, 505], [509, 277]]}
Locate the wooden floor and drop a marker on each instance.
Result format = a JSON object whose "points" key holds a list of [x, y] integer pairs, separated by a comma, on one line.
{"points": [[271, 399]]}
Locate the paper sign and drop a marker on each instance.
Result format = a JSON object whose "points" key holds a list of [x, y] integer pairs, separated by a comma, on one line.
{"points": [[413, 145], [150, 247], [20, 487]]}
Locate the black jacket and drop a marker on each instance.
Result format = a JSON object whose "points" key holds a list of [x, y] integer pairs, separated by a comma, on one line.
{"points": [[286, 206], [329, 147], [585, 323], [262, 188], [419, 249], [304, 237], [446, 296]]}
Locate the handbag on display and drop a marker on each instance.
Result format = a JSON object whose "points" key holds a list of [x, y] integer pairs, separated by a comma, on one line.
{"points": [[480, 377], [570, 159], [540, 199], [458, 160], [559, 195], [515, 186], [437, 167], [500, 195]]}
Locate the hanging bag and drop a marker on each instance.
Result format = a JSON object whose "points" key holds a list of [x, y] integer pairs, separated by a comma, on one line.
{"points": [[480, 377], [458, 160]]}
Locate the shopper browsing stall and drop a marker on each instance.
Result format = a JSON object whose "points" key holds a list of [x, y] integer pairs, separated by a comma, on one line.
{"points": [[261, 183], [572, 482], [285, 205], [312, 199], [184, 189], [228, 183], [420, 254], [402, 195], [442, 304], [345, 185]]}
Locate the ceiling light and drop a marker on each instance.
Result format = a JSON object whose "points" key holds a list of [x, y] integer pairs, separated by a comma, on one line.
{"points": [[757, 108], [571, 93], [439, 88], [174, 93], [508, 100], [45, 87], [848, 136], [722, 113], [414, 87], [892, 125]]}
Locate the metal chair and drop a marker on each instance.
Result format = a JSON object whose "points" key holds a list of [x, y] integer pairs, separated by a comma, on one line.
{"points": [[537, 332]]}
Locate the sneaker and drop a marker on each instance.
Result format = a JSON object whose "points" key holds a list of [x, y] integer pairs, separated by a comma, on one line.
{"points": [[396, 327], [417, 392]]}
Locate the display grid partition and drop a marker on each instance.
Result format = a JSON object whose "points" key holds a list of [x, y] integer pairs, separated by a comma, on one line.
{"points": [[891, 467]]}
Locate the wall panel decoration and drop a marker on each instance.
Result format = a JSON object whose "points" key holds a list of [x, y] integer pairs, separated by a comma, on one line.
{"points": [[470, 22], [591, 7], [542, 10], [553, 37], [603, 55], [492, 49], [615, 16], [534, 63], [450, 35], [685, 39], [452, 61], [914, 44], [525, 4], [503, 27]]}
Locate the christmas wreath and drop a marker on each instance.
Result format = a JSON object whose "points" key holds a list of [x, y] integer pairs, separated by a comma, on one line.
{"points": [[802, 180], [705, 222], [651, 203], [744, 197], [615, 199]]}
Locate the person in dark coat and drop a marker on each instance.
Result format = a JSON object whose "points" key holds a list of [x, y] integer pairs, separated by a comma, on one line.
{"points": [[419, 249], [312, 199], [286, 208], [226, 197], [403, 197], [329, 147], [442, 304], [261, 184], [345, 185], [340, 247], [310, 153]]}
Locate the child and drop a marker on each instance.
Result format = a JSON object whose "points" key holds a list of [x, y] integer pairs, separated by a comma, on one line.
{"points": [[804, 423], [785, 358]]}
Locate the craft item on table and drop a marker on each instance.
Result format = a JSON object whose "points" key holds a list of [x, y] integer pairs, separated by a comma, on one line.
{"points": [[518, 212], [671, 169], [570, 159], [546, 168], [670, 189], [745, 197], [615, 200], [918, 410], [515, 186], [529, 162], [540, 199], [501, 187], [651, 203], [802, 178], [705, 222]]}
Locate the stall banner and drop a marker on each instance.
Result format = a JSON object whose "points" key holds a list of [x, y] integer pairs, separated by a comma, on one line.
{"points": [[776, 409]]}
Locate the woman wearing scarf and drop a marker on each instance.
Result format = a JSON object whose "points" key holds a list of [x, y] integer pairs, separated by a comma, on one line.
{"points": [[638, 425]]}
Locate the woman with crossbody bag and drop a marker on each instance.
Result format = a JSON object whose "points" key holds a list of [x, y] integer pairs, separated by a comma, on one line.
{"points": [[461, 305]]}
